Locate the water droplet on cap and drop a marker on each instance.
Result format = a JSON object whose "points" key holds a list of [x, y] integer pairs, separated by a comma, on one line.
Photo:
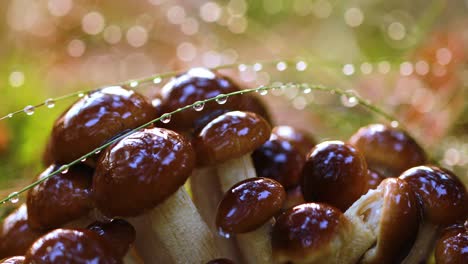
{"points": [[224, 234], [50, 103], [221, 99], [198, 106], [165, 118], [29, 110]]}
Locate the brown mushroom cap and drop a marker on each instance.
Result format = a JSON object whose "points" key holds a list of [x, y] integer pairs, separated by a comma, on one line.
{"points": [[442, 194], [307, 233], [388, 150], [230, 135], [15, 233], [95, 119], [452, 246], [70, 246], [334, 173], [118, 233], [61, 198], [373, 179], [220, 261], [301, 140], [13, 260], [248, 205], [140, 171]]}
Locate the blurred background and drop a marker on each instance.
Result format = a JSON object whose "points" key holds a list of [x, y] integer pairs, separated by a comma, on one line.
{"points": [[409, 58]]}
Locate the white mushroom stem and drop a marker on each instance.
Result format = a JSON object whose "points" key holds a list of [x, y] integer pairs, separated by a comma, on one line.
{"points": [[235, 170], [423, 245], [177, 232]]}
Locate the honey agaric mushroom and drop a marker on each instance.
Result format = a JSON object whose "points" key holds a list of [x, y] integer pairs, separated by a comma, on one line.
{"points": [[16, 235], [220, 261], [60, 199], [373, 179], [13, 260], [452, 246], [334, 173], [143, 174], [391, 214], [443, 198], [388, 151], [247, 210], [70, 246], [94, 120], [316, 233]]}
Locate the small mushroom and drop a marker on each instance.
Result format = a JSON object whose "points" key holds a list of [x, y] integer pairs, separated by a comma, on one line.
{"points": [[334, 173], [452, 246], [247, 210], [302, 140], [443, 198], [60, 199], [143, 174], [388, 151], [16, 235], [221, 261], [13, 260]]}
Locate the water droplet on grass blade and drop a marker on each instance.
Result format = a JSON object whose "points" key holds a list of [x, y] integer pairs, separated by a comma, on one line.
{"points": [[349, 99], [165, 118], [29, 110], [198, 106], [13, 197], [221, 99], [50, 103]]}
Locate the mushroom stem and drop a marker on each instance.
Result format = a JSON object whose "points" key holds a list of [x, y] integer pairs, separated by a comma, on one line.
{"points": [[256, 245], [235, 170], [132, 257], [424, 243]]}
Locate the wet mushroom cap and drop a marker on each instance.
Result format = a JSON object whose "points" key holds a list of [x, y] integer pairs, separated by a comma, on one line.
{"points": [[442, 194], [15, 233], [452, 246], [373, 179], [249, 204], [334, 173], [118, 232], [140, 171], [388, 150], [95, 119], [306, 230], [303, 141], [220, 261], [13, 260], [61, 198], [230, 135], [70, 246]]}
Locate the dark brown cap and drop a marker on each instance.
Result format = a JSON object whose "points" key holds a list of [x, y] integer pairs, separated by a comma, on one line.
{"points": [[220, 261], [442, 194], [307, 233], [335, 173], [13, 260], [230, 135], [95, 119], [15, 233], [373, 179], [248, 205], [61, 198], [388, 150], [140, 171], [301, 140], [70, 246], [452, 246], [118, 233]]}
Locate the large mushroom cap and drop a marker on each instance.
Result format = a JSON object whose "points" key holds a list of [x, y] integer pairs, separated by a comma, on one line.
{"points": [[452, 246], [13, 260], [230, 135], [95, 119], [249, 204], [70, 246], [61, 198], [443, 195], [388, 150], [140, 171]]}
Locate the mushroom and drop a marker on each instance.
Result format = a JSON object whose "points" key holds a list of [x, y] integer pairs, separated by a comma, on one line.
{"points": [[301, 140], [388, 151], [443, 198], [60, 199], [94, 120], [452, 246], [391, 214], [373, 179], [16, 235], [220, 261], [247, 210], [143, 174], [13, 260], [334, 173], [317, 233]]}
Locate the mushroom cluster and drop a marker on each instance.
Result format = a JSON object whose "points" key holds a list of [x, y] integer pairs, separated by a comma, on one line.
{"points": [[220, 183]]}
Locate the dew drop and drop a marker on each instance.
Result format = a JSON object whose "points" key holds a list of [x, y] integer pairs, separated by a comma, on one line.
{"points": [[29, 110], [221, 99], [307, 90], [224, 234], [64, 169], [198, 106], [242, 67], [81, 95], [10, 115], [97, 152], [394, 124], [157, 80], [281, 66], [83, 160], [133, 84], [13, 197], [165, 118], [262, 90], [50, 103], [349, 99], [257, 67], [301, 66]]}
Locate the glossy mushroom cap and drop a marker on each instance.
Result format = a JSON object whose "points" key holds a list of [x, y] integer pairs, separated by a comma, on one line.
{"points": [[61, 198], [248, 205], [373, 179], [395, 219], [308, 233], [118, 233], [95, 119], [13, 260], [15, 233], [334, 173], [220, 261], [140, 171], [195, 85], [230, 135], [442, 194], [301, 140], [452, 246], [70, 246], [388, 150]]}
